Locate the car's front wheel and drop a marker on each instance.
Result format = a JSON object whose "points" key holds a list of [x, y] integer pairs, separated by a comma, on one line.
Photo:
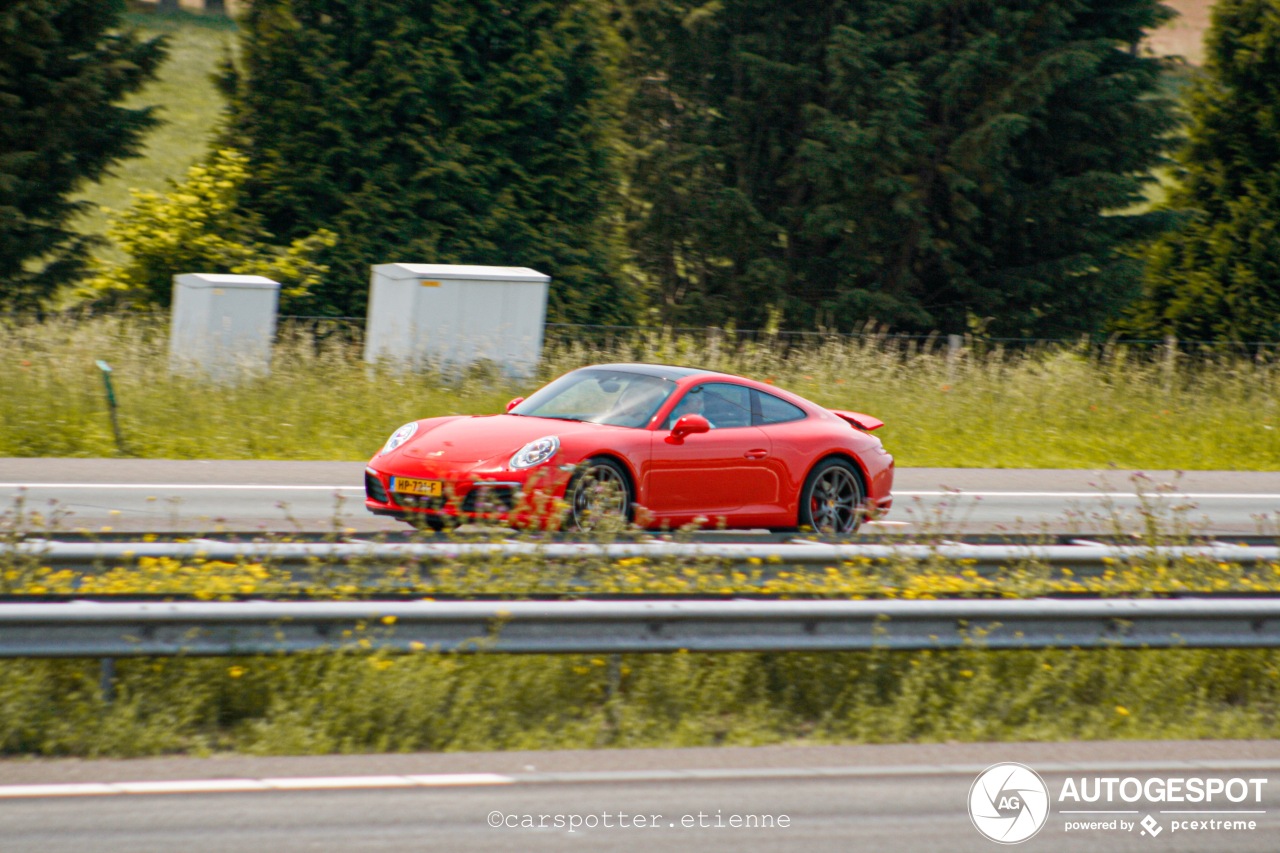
{"points": [[600, 492], [833, 500], [427, 523]]}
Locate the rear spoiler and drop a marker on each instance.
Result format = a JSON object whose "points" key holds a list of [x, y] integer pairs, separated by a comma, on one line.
{"points": [[861, 421]]}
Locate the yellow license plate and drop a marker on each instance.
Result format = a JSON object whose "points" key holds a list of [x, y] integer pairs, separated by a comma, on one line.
{"points": [[426, 488]]}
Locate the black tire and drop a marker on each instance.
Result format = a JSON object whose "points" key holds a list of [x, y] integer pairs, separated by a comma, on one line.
{"points": [[833, 500], [600, 489], [423, 522]]}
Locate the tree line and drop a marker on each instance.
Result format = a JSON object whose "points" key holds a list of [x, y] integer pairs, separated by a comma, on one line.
{"points": [[930, 166]]}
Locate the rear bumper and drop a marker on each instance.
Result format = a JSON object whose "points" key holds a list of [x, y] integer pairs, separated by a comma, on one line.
{"points": [[879, 471]]}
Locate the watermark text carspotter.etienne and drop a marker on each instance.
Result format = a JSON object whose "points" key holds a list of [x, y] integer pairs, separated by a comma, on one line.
{"points": [[574, 821]]}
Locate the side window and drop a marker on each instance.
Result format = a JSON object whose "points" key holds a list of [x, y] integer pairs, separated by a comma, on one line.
{"points": [[776, 411], [722, 404]]}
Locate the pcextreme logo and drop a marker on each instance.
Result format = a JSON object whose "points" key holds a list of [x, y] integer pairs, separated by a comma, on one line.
{"points": [[1008, 803]]}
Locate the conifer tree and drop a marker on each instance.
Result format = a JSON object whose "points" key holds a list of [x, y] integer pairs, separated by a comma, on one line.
{"points": [[64, 68], [713, 121], [477, 132], [922, 163], [1217, 275]]}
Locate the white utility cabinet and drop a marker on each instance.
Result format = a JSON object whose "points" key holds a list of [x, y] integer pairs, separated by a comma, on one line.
{"points": [[452, 315], [222, 325]]}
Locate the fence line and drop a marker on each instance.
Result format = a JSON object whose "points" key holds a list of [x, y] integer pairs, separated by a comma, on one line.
{"points": [[351, 330]]}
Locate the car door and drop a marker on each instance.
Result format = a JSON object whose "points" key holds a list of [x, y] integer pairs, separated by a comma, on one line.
{"points": [[791, 443], [723, 472]]}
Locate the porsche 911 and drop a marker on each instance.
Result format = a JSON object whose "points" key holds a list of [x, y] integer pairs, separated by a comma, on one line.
{"points": [[654, 445]]}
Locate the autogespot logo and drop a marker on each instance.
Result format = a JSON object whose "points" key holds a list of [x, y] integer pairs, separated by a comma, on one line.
{"points": [[1008, 803]]}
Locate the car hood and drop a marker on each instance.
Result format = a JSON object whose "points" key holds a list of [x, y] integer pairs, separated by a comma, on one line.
{"points": [[476, 439]]}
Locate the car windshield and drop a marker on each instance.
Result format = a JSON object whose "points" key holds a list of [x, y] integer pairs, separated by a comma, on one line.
{"points": [[600, 396]]}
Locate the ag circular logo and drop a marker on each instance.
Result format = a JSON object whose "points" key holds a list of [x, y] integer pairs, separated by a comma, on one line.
{"points": [[1008, 803]]}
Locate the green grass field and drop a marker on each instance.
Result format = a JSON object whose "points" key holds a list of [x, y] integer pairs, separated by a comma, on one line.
{"points": [[188, 103], [1048, 408]]}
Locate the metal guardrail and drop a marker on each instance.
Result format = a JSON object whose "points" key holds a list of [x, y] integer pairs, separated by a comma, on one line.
{"points": [[109, 630], [796, 553]]}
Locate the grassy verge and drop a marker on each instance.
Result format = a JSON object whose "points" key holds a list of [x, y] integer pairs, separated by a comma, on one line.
{"points": [[352, 700], [1049, 408], [318, 704]]}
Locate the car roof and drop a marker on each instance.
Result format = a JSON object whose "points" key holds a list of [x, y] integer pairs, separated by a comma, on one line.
{"points": [[664, 371], [676, 373]]}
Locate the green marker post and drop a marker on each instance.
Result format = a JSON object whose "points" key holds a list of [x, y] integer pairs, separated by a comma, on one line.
{"points": [[111, 404]]}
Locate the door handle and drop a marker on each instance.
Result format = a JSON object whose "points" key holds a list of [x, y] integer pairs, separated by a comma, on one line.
{"points": [[756, 454]]}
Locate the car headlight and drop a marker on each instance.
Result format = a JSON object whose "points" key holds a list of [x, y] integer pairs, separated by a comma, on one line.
{"points": [[399, 437], [536, 452]]}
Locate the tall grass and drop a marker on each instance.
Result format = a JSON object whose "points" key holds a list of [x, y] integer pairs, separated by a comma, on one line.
{"points": [[1043, 408], [348, 703]]}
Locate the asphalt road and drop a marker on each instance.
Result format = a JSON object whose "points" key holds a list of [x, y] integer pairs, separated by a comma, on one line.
{"points": [[813, 799], [156, 495]]}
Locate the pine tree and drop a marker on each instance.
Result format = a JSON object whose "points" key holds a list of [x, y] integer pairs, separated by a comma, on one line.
{"points": [[64, 67], [916, 162], [475, 132], [1217, 275], [713, 120]]}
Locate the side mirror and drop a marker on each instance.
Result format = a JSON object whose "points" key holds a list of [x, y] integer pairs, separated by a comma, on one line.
{"points": [[689, 425], [517, 401]]}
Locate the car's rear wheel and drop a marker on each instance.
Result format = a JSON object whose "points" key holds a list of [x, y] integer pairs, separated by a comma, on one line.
{"points": [[833, 500], [599, 493]]}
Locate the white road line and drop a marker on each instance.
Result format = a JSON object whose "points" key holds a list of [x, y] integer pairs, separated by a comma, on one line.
{"points": [[596, 777], [164, 486], [86, 790], [1233, 496], [326, 783], [446, 780], [191, 786], [213, 786]]}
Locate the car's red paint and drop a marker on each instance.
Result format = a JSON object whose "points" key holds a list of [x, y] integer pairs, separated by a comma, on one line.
{"points": [[686, 426], [724, 472], [683, 468], [859, 420]]}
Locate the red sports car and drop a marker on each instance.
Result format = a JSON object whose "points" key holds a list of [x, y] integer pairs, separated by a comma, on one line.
{"points": [[657, 445]]}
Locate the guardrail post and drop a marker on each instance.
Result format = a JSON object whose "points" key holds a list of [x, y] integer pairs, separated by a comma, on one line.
{"points": [[612, 696], [107, 679]]}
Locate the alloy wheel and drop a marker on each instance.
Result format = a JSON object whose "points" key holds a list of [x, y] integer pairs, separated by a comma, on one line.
{"points": [[600, 493], [835, 501]]}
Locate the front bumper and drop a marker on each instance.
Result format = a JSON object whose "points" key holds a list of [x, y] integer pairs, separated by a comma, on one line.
{"points": [[518, 498]]}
